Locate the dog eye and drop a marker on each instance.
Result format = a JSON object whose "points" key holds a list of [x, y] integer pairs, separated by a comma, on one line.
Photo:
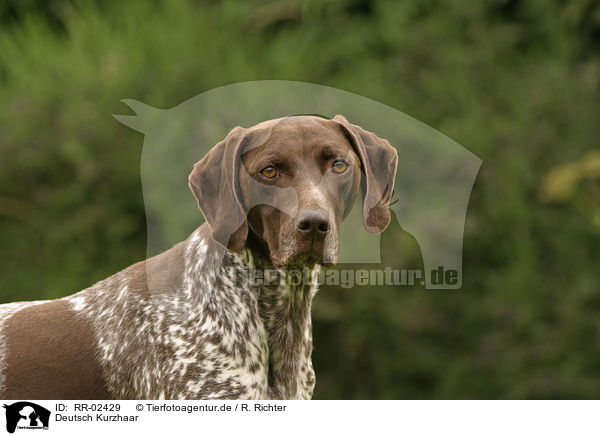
{"points": [[339, 166], [269, 172]]}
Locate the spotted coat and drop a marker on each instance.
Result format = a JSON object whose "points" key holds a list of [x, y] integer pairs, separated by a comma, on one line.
{"points": [[205, 332]]}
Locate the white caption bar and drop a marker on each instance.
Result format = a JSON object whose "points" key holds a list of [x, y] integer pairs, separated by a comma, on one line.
{"points": [[298, 417]]}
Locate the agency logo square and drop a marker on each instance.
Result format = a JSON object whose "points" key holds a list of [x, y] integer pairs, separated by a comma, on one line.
{"points": [[25, 415]]}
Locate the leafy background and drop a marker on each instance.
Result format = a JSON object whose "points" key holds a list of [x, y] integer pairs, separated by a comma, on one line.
{"points": [[516, 82]]}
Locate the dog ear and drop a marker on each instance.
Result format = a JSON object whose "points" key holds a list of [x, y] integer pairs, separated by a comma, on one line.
{"points": [[379, 161], [214, 183]]}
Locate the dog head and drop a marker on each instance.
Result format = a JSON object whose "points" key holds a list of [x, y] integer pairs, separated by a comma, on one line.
{"points": [[284, 186]]}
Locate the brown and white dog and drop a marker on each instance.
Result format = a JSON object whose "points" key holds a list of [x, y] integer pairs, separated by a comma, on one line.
{"points": [[187, 323]]}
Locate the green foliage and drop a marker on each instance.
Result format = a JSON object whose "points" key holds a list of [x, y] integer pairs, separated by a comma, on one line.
{"points": [[515, 82]]}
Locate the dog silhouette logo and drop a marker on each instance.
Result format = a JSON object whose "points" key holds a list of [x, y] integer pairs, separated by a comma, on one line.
{"points": [[26, 415], [431, 189]]}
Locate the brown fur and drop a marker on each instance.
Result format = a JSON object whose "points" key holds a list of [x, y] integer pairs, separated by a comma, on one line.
{"points": [[159, 274], [48, 343]]}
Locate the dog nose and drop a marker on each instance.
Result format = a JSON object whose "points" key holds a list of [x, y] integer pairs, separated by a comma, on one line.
{"points": [[313, 224]]}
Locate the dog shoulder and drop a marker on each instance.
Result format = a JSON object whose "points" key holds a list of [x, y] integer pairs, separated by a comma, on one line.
{"points": [[47, 342]]}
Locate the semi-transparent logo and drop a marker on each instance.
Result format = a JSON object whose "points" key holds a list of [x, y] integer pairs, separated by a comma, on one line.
{"points": [[432, 186]]}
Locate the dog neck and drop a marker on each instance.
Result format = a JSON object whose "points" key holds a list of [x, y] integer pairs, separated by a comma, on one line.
{"points": [[271, 305], [284, 297]]}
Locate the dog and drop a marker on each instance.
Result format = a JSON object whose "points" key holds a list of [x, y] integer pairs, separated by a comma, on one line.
{"points": [[187, 323]]}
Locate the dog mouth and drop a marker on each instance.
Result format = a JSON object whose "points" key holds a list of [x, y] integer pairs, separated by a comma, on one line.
{"points": [[306, 257], [294, 253]]}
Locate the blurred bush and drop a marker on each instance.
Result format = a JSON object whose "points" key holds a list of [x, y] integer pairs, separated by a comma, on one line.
{"points": [[576, 183], [516, 82]]}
